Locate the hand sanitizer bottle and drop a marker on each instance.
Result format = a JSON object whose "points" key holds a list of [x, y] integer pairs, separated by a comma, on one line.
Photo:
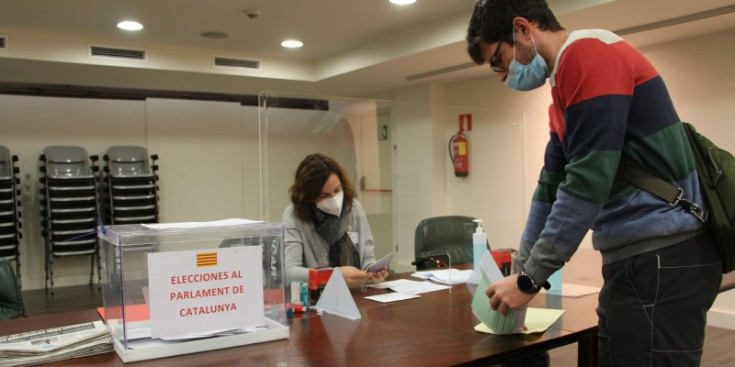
{"points": [[479, 243]]}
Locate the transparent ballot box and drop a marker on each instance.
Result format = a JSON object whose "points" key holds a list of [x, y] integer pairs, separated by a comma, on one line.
{"points": [[182, 288]]}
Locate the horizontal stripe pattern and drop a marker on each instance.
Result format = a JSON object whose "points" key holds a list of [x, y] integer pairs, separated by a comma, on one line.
{"points": [[206, 259], [609, 103]]}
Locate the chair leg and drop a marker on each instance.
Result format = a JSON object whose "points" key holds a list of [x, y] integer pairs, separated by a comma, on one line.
{"points": [[99, 269], [45, 268], [17, 270], [51, 273], [91, 269]]}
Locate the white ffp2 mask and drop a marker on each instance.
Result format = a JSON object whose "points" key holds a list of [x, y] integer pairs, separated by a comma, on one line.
{"points": [[332, 205]]}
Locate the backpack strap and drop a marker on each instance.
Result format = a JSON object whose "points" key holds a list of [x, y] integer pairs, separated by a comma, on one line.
{"points": [[662, 189]]}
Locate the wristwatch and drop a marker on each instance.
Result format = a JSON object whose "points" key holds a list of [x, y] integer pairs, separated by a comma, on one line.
{"points": [[527, 284]]}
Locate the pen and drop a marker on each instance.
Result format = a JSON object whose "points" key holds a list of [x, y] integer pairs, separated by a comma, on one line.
{"points": [[298, 308]]}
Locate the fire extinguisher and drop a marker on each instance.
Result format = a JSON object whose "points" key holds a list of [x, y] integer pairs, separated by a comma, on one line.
{"points": [[459, 150]]}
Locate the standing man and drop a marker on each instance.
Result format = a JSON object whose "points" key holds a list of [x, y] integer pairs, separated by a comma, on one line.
{"points": [[661, 267]]}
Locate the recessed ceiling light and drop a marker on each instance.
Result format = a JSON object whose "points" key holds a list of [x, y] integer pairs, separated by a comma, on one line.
{"points": [[130, 25], [292, 44], [402, 2]]}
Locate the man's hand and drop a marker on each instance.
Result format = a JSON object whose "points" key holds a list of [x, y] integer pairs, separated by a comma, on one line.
{"points": [[504, 295]]}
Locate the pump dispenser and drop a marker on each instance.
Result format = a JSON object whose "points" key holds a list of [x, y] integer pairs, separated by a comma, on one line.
{"points": [[479, 243]]}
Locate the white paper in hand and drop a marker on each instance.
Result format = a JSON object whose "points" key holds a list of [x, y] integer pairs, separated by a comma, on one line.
{"points": [[383, 263]]}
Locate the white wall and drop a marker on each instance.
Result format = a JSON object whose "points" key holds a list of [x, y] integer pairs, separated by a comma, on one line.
{"points": [[27, 126], [199, 144]]}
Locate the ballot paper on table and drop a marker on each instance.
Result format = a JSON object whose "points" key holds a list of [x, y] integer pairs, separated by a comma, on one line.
{"points": [[537, 321], [392, 297], [383, 263]]}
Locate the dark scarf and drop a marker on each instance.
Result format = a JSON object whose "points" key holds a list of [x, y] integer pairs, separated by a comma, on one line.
{"points": [[342, 251]]}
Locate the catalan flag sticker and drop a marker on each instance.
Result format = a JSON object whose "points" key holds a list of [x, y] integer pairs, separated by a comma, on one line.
{"points": [[205, 259]]}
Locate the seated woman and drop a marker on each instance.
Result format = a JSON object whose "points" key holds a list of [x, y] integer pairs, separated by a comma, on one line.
{"points": [[326, 226]]}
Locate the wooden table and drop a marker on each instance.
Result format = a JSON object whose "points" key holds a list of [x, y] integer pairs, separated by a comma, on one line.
{"points": [[433, 330]]}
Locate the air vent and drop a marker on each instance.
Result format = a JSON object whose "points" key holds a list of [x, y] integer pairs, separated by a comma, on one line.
{"points": [[236, 63], [119, 53], [3, 43]]}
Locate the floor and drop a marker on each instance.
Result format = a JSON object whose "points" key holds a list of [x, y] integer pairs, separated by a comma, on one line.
{"points": [[718, 350]]}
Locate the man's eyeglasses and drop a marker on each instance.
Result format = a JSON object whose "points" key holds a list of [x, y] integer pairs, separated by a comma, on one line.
{"points": [[494, 61]]}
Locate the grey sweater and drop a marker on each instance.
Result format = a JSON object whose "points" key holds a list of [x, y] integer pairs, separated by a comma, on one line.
{"points": [[307, 249]]}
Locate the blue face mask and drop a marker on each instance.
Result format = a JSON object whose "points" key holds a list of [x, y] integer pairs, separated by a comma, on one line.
{"points": [[526, 77]]}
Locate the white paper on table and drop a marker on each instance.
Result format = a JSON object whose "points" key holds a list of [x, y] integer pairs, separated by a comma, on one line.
{"points": [[412, 286], [444, 276], [537, 320], [218, 223], [392, 297]]}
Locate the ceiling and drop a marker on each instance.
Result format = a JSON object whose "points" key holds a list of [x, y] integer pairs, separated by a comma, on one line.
{"points": [[351, 47]]}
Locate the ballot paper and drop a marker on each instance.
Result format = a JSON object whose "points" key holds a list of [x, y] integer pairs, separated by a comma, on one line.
{"points": [[444, 276], [383, 263], [392, 297], [186, 225], [410, 286], [537, 321]]}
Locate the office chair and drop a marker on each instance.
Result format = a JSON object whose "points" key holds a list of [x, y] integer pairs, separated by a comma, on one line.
{"points": [[11, 301], [444, 235]]}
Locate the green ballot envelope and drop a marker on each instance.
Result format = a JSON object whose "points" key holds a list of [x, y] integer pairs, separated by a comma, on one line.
{"points": [[495, 320]]}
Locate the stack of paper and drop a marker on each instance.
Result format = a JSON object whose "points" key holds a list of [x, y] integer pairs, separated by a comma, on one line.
{"points": [[444, 276], [54, 344], [413, 287]]}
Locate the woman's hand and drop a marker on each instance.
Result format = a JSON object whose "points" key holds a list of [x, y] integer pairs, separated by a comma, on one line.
{"points": [[354, 276], [379, 276]]}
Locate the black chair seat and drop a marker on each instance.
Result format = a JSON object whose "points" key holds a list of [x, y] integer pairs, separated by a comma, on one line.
{"points": [[450, 235]]}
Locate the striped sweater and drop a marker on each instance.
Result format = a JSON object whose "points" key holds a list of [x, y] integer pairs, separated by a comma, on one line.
{"points": [[608, 103]]}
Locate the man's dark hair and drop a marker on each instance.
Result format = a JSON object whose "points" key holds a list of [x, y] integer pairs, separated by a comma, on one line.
{"points": [[492, 20]]}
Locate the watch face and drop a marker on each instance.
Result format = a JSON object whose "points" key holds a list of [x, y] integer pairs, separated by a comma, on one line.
{"points": [[525, 283]]}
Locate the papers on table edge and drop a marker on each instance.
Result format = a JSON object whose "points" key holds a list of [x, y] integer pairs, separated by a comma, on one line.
{"points": [[55, 344]]}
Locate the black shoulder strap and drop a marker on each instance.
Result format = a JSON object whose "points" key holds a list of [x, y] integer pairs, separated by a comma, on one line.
{"points": [[660, 188]]}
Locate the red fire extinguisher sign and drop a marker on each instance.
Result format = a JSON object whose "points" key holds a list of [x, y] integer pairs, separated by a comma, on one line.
{"points": [[459, 150]]}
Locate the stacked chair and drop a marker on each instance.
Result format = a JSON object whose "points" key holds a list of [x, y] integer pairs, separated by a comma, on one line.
{"points": [[69, 207], [10, 215], [130, 186]]}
